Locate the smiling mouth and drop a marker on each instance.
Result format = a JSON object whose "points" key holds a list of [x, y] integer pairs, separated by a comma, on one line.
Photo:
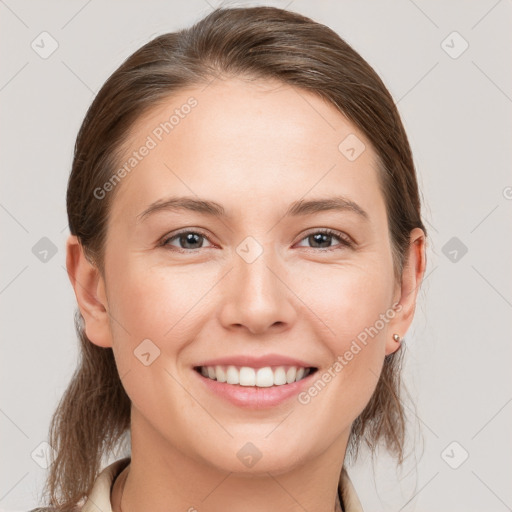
{"points": [[265, 377]]}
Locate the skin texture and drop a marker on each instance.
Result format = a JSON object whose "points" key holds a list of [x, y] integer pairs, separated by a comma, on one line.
{"points": [[254, 147]]}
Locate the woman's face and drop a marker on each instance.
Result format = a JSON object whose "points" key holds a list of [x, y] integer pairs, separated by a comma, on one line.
{"points": [[255, 286]]}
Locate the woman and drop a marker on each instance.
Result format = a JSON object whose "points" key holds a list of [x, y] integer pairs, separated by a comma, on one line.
{"points": [[246, 251]]}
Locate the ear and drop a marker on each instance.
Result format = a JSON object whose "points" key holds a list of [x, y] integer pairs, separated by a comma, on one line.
{"points": [[412, 276], [90, 293]]}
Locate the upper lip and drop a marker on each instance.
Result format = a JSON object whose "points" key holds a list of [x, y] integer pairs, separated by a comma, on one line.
{"points": [[256, 362]]}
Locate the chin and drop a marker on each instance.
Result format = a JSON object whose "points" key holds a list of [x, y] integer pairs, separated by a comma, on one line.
{"points": [[246, 457]]}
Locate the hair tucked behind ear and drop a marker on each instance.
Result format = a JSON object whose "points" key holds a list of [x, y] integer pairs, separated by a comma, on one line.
{"points": [[383, 418], [257, 43], [90, 421]]}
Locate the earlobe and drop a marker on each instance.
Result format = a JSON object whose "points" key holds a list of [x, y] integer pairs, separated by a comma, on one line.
{"points": [[90, 294], [412, 277], [393, 345]]}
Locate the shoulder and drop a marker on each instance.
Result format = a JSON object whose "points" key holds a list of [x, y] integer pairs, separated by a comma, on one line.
{"points": [[51, 509], [99, 497], [348, 493], [42, 509]]}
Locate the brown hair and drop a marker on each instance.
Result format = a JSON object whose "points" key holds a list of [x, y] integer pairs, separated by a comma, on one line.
{"points": [[258, 42]]}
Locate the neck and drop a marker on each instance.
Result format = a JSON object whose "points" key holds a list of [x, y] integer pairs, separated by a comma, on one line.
{"points": [[161, 478]]}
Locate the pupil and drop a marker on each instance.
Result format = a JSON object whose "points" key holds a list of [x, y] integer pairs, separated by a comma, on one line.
{"points": [[321, 238], [190, 238]]}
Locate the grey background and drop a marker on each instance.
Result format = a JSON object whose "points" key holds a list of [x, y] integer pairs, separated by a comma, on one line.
{"points": [[457, 115]]}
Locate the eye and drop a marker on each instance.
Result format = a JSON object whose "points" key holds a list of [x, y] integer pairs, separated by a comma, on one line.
{"points": [[186, 240], [322, 239]]}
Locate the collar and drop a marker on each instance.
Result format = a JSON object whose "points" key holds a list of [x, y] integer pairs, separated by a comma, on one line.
{"points": [[98, 499]]}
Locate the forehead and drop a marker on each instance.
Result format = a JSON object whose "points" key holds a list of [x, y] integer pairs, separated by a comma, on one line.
{"points": [[247, 143]]}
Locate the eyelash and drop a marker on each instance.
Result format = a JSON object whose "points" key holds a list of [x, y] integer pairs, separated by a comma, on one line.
{"points": [[345, 241]]}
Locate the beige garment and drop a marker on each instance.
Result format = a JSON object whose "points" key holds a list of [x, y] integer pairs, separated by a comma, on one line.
{"points": [[99, 497]]}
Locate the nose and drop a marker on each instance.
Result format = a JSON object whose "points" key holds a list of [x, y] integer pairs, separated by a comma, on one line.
{"points": [[257, 296]]}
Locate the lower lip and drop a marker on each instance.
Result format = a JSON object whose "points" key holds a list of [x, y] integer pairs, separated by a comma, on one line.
{"points": [[252, 397]]}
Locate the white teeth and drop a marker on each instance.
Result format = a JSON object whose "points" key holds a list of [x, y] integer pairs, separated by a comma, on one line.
{"points": [[247, 376], [291, 374], [232, 375], [260, 377], [279, 376], [220, 374], [265, 377]]}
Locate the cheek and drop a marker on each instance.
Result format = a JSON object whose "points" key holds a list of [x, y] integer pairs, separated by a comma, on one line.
{"points": [[153, 319], [353, 309], [152, 301], [349, 299]]}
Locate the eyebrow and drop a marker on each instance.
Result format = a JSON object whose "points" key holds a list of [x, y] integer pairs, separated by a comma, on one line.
{"points": [[213, 209]]}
